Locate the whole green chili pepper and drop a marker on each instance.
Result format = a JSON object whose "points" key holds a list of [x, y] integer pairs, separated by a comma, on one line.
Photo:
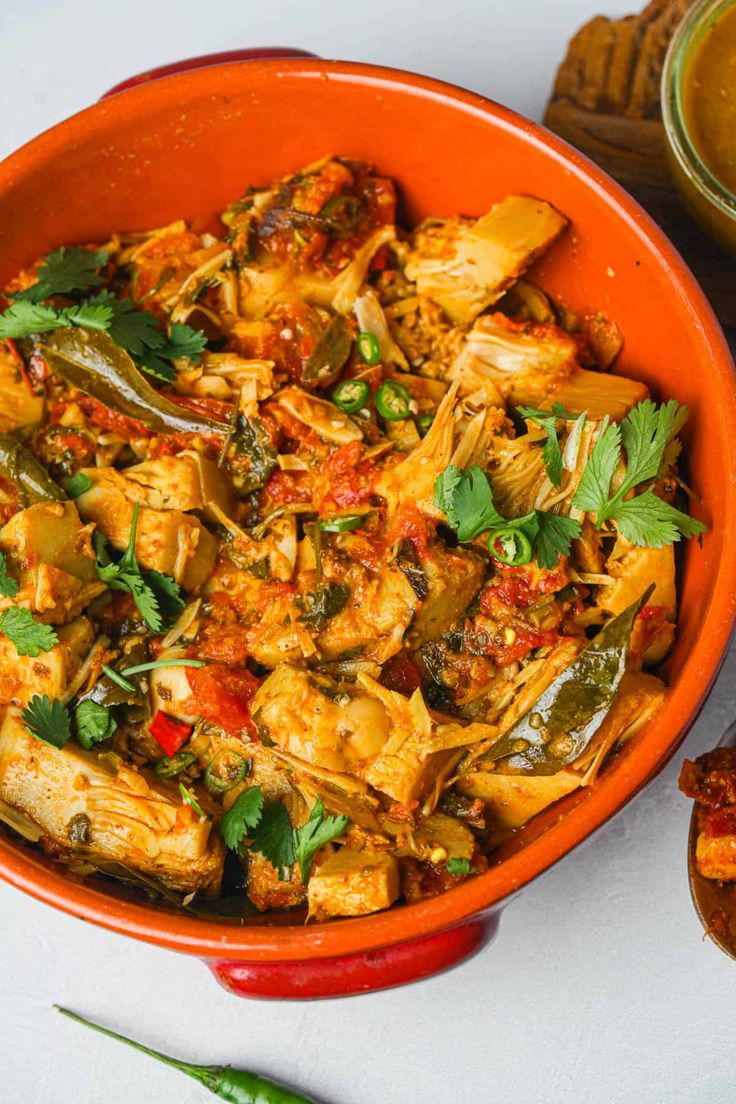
{"points": [[237, 1086], [22, 468], [91, 361]]}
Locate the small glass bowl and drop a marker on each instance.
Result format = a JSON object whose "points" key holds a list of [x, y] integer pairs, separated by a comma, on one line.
{"points": [[710, 201]]}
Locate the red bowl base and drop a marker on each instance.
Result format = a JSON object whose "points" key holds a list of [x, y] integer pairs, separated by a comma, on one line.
{"points": [[349, 975]]}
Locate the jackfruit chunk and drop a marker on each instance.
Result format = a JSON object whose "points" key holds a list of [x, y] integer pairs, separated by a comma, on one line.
{"points": [[52, 533], [50, 554], [90, 813], [353, 883], [166, 540], [513, 799], [599, 393], [185, 482], [466, 266], [48, 673]]}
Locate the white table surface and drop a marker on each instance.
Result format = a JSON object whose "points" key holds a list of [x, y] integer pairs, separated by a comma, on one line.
{"points": [[598, 987]]}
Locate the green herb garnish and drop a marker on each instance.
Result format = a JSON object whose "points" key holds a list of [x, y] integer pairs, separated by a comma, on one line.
{"points": [[466, 498], [30, 637], [8, 585], [551, 453], [645, 520], [244, 813], [95, 723], [319, 830], [157, 596], [66, 269], [48, 720]]}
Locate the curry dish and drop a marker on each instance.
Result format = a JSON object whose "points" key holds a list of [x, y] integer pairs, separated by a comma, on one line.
{"points": [[331, 553]]}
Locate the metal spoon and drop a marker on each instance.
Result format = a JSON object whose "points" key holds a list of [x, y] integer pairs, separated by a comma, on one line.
{"points": [[715, 902]]}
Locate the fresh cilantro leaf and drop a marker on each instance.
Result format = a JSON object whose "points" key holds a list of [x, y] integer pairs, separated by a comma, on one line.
{"points": [[646, 431], [95, 723], [167, 593], [459, 866], [547, 420], [157, 596], [183, 341], [650, 522], [152, 363], [244, 813], [646, 520], [466, 499], [139, 333], [8, 585], [445, 486], [592, 492], [64, 270], [48, 720], [29, 636], [22, 319], [554, 535], [273, 837], [78, 484], [189, 799], [87, 315], [318, 831], [133, 329]]}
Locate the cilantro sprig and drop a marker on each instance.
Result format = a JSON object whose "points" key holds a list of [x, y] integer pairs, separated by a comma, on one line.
{"points": [[30, 637], [22, 319], [47, 719], [547, 420], [320, 829], [466, 498], [64, 270], [138, 332], [269, 829], [157, 596], [72, 270], [645, 520], [8, 585]]}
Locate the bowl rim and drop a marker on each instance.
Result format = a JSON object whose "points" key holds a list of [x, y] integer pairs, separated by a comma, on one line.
{"points": [[486, 891]]}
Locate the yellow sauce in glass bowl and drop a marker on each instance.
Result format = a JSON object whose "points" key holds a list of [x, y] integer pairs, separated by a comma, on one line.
{"points": [[709, 98], [699, 114]]}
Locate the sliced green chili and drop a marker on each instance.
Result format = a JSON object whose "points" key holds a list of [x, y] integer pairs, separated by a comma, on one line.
{"points": [[393, 402], [350, 395], [510, 546], [225, 770], [342, 524], [424, 424], [369, 350], [170, 767], [342, 213]]}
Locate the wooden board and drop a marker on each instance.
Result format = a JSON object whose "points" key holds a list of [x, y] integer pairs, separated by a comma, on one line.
{"points": [[605, 101]]}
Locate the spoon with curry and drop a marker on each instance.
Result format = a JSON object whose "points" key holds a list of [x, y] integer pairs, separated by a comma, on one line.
{"points": [[711, 781]]}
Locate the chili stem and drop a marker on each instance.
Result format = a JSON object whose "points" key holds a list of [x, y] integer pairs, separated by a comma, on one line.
{"points": [[184, 1067]]}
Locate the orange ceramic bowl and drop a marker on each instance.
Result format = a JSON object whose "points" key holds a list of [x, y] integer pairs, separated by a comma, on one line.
{"points": [[188, 144]]}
